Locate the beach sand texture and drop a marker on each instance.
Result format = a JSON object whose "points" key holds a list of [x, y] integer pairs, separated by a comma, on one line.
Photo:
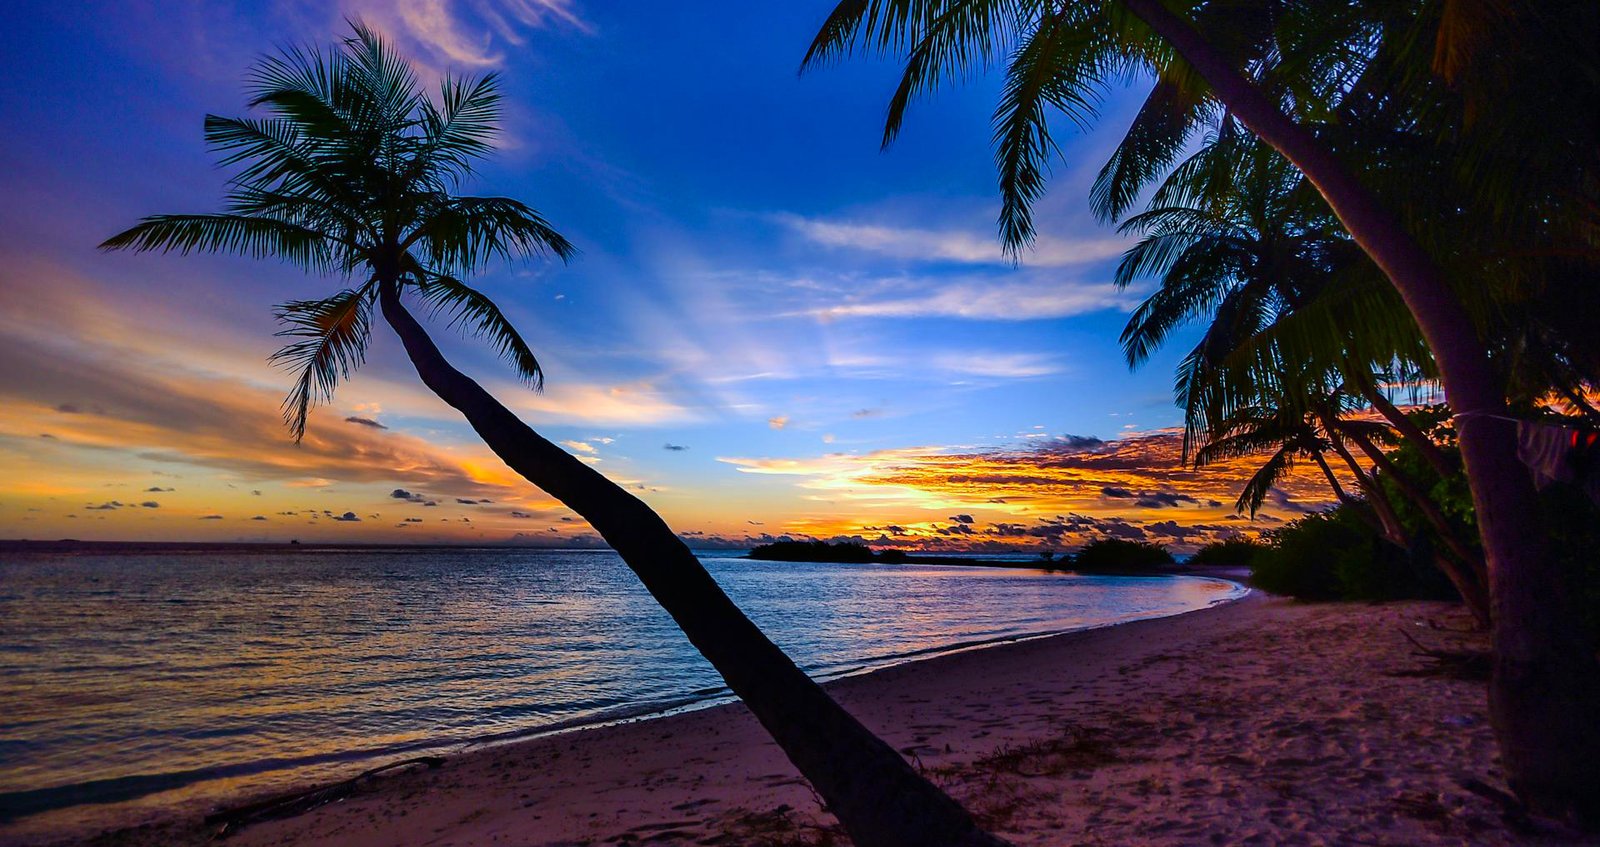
{"points": [[1258, 722]]}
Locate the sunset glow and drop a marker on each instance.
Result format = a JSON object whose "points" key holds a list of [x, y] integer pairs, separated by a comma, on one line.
{"points": [[799, 336]]}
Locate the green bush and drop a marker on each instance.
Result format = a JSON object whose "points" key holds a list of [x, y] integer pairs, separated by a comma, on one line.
{"points": [[1232, 553], [1115, 554], [1338, 555]]}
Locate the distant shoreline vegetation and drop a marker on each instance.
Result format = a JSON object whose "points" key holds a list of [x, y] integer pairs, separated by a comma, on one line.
{"points": [[821, 551], [1103, 556]]}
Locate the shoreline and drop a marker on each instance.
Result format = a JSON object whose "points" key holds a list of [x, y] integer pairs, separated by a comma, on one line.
{"points": [[1255, 721], [147, 806]]}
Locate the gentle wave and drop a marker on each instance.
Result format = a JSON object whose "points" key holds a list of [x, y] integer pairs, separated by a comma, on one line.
{"points": [[158, 678]]}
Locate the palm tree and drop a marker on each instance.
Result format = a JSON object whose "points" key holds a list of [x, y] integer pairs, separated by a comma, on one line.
{"points": [[355, 173], [1229, 56], [1234, 235]]}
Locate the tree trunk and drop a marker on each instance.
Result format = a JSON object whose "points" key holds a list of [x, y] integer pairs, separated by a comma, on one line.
{"points": [[877, 796], [1333, 481], [1470, 583], [1388, 520], [1545, 690], [1435, 457]]}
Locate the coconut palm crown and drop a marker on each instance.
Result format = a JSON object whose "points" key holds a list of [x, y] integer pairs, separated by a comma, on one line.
{"points": [[353, 171]]}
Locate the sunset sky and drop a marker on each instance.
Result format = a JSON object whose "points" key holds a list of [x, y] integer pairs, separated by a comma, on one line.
{"points": [[772, 327]]}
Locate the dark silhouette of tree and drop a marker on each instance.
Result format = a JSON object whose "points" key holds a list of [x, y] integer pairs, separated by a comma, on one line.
{"points": [[355, 173]]}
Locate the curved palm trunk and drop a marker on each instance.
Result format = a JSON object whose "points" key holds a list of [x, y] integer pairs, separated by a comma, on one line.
{"points": [[1393, 530], [1333, 481], [877, 796], [1545, 691], [1470, 583], [1404, 425]]}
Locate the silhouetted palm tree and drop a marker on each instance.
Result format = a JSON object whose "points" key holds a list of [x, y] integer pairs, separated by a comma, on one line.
{"points": [[1237, 239], [1281, 69], [355, 173]]}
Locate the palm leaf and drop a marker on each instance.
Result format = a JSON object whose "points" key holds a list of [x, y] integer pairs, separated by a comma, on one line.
{"points": [[256, 237], [333, 337], [480, 317]]}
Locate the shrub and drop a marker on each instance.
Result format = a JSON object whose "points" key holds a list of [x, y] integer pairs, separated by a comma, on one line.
{"points": [[813, 551], [1116, 554], [1337, 555], [1232, 553]]}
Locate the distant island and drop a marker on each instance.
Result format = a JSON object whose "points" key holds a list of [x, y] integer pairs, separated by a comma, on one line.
{"points": [[1111, 556]]}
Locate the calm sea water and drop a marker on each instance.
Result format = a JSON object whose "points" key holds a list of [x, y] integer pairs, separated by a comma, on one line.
{"points": [[156, 678]]}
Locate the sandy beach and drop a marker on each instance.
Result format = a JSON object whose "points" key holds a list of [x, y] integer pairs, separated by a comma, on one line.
{"points": [[1257, 722]]}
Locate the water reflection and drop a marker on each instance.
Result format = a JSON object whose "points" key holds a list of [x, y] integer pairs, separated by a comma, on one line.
{"points": [[124, 675]]}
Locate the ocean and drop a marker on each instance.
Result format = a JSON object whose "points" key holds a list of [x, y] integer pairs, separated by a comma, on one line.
{"points": [[162, 677]]}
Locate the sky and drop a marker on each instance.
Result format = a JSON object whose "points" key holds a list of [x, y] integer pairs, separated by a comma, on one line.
{"points": [[772, 327]]}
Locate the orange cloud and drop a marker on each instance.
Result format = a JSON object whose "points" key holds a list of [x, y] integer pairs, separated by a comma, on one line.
{"points": [[1059, 493]]}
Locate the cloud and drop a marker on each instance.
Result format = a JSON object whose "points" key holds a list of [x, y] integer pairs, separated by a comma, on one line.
{"points": [[154, 411], [157, 489], [949, 245], [105, 507], [473, 35], [210, 517], [676, 448], [369, 422], [778, 422], [638, 403], [150, 504], [990, 300], [581, 447], [259, 518], [998, 365], [1062, 490], [347, 517]]}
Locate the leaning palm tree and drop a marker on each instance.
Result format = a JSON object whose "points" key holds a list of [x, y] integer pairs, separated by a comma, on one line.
{"points": [[354, 173], [1280, 69]]}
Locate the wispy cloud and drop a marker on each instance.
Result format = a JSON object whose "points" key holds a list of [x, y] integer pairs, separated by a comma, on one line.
{"points": [[162, 413], [1035, 299], [949, 245], [472, 35], [997, 365]]}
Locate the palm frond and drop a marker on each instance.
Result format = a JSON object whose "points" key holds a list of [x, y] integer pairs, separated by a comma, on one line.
{"points": [[459, 129], [256, 237], [962, 38], [462, 234], [475, 313], [1061, 64], [1260, 484], [333, 335], [1152, 143]]}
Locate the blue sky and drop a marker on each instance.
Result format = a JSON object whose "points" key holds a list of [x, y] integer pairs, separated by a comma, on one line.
{"points": [[758, 285]]}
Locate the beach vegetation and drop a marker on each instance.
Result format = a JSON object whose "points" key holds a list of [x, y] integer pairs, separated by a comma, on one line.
{"points": [[1237, 552], [1120, 554], [353, 171], [1338, 555], [814, 551], [1447, 159]]}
